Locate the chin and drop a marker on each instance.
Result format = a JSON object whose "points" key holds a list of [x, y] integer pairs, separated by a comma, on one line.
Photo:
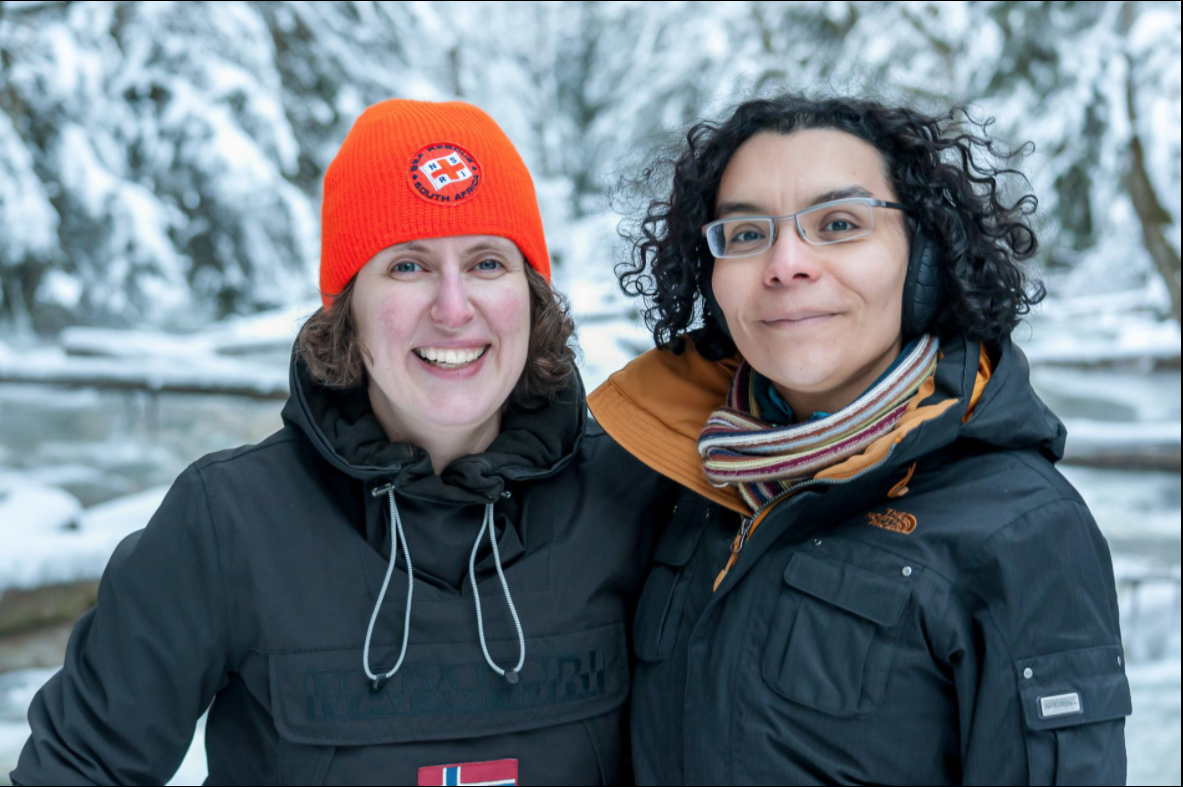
{"points": [[446, 411], [806, 373]]}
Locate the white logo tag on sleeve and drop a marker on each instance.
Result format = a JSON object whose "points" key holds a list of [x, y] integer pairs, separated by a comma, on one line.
{"points": [[1059, 705]]}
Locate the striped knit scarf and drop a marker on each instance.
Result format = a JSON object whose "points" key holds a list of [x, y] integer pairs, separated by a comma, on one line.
{"points": [[739, 448]]}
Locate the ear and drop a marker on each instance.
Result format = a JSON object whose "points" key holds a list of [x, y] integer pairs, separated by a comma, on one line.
{"points": [[922, 284]]}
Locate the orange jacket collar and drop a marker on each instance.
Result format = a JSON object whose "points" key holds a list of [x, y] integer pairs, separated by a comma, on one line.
{"points": [[657, 405]]}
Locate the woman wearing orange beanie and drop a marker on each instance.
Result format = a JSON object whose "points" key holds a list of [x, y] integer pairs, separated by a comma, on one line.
{"points": [[427, 575]]}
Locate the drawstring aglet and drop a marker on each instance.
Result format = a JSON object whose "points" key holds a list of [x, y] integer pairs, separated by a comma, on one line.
{"points": [[377, 684], [511, 677]]}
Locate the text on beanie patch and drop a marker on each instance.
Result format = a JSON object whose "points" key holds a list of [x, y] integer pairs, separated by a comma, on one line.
{"points": [[444, 174]]}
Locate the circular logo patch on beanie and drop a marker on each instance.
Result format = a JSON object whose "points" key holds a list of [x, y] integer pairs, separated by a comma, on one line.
{"points": [[444, 174]]}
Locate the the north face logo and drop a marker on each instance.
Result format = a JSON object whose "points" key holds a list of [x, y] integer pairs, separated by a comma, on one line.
{"points": [[444, 174], [891, 519]]}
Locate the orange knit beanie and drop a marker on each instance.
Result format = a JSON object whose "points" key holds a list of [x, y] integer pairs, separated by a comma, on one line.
{"points": [[421, 169]]}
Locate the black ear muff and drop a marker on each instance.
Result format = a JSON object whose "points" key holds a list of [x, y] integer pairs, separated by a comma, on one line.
{"points": [[922, 286]]}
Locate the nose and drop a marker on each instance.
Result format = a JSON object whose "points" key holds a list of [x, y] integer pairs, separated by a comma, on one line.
{"points": [[452, 307], [791, 259]]}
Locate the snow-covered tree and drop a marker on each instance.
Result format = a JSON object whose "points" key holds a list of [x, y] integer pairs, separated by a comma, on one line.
{"points": [[161, 162]]}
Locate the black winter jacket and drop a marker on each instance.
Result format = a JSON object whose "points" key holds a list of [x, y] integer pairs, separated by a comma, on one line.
{"points": [[253, 584], [963, 631]]}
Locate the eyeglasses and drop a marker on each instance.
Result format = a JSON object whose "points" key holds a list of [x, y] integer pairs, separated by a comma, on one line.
{"points": [[822, 225]]}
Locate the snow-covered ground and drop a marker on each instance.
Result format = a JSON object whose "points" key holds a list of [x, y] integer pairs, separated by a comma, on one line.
{"points": [[16, 693], [1106, 328], [54, 540]]}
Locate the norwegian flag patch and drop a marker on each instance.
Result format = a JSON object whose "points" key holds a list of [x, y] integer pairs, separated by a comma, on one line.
{"points": [[489, 772], [444, 174]]}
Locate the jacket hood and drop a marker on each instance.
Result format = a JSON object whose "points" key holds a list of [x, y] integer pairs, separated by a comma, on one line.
{"points": [[657, 405], [1010, 415], [341, 425]]}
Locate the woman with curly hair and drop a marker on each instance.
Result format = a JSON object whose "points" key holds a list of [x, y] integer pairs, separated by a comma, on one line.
{"points": [[874, 572]]}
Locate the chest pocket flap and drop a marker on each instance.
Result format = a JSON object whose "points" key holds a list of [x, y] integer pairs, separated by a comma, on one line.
{"points": [[832, 636], [856, 590], [659, 609], [447, 691]]}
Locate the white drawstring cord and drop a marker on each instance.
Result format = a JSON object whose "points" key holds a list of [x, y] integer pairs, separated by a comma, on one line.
{"points": [[397, 536], [396, 529], [512, 677]]}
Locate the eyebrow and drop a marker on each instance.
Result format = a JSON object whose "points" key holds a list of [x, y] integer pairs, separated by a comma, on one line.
{"points": [[409, 246], [828, 196], [477, 247], [482, 247]]}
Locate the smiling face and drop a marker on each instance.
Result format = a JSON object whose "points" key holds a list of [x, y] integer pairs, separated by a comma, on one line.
{"points": [[822, 322], [446, 322]]}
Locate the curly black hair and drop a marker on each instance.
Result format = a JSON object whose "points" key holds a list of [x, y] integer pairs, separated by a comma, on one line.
{"points": [[940, 166]]}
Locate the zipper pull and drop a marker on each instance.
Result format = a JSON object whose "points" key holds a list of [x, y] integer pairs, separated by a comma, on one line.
{"points": [[741, 538]]}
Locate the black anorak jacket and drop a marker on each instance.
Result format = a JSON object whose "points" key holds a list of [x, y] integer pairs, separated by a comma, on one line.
{"points": [[253, 585]]}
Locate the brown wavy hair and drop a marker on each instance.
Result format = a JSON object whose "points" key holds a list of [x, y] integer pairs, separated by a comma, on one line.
{"points": [[330, 346]]}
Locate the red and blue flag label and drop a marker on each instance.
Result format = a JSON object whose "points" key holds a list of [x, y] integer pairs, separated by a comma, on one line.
{"points": [[489, 772]]}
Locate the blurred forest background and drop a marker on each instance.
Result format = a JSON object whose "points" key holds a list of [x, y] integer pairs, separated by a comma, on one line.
{"points": [[160, 174], [159, 157]]}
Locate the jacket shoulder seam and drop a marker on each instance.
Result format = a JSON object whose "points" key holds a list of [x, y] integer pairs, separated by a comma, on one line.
{"points": [[968, 587], [1060, 500], [209, 512], [1023, 457], [208, 461]]}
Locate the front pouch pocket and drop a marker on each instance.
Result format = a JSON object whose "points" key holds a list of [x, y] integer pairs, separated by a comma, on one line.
{"points": [[445, 705], [659, 609], [324, 697], [833, 635]]}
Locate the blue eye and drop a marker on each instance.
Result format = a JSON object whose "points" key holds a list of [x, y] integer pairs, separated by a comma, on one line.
{"points": [[496, 264], [401, 267]]}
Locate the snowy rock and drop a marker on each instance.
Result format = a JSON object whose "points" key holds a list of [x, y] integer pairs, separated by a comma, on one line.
{"points": [[48, 538]]}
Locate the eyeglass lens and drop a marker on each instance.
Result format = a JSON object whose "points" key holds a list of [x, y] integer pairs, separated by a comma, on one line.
{"points": [[822, 225]]}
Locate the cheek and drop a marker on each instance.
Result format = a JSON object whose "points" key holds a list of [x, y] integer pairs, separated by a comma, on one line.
{"points": [[398, 318], [509, 315], [384, 325], [729, 287], [879, 287], [891, 290]]}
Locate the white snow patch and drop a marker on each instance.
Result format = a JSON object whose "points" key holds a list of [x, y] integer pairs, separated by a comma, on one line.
{"points": [[1083, 432], [17, 690], [41, 548]]}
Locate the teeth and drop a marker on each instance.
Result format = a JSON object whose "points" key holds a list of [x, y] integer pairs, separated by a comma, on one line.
{"points": [[447, 357]]}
